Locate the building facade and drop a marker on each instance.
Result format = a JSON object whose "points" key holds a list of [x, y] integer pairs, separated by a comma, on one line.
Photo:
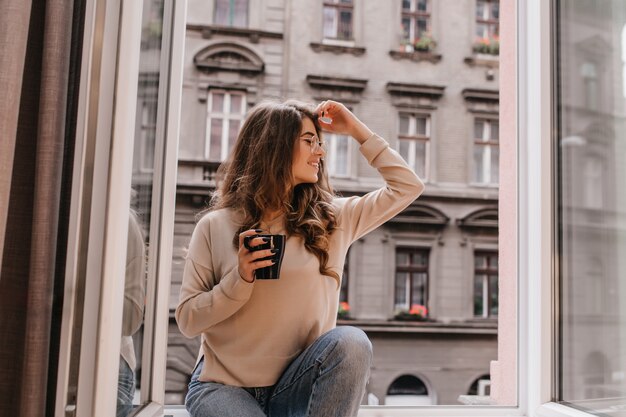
{"points": [[424, 75]]}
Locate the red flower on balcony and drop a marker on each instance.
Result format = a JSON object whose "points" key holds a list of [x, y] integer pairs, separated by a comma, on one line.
{"points": [[344, 310]]}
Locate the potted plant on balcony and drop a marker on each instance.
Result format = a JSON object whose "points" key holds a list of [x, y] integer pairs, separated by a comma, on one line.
{"points": [[344, 311], [417, 312], [488, 46], [425, 43]]}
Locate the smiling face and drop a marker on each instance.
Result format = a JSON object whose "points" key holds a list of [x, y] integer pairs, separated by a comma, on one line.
{"points": [[306, 165]]}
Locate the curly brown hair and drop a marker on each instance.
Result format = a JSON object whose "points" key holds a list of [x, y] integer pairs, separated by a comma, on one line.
{"points": [[257, 177]]}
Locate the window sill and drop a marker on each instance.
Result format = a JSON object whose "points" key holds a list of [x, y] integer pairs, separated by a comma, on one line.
{"points": [[483, 60], [254, 35], [337, 48], [416, 56], [397, 326]]}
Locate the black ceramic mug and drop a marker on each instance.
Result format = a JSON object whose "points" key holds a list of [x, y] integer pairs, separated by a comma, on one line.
{"points": [[273, 242]]}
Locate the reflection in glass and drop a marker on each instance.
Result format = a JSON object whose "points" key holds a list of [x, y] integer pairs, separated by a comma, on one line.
{"points": [[135, 297], [591, 149]]}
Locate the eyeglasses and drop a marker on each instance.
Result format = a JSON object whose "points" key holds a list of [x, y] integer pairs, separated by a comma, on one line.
{"points": [[315, 144]]}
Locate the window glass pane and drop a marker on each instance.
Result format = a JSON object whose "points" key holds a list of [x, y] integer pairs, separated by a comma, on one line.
{"points": [[330, 30], [401, 300], [233, 130], [140, 235], [591, 179], [419, 289], [479, 125], [480, 9], [479, 283], [345, 25], [480, 261], [493, 295], [236, 101], [495, 10], [402, 258], [404, 149], [420, 158], [422, 5], [341, 155], [495, 131], [406, 5], [404, 124], [217, 102], [422, 26], [420, 126], [482, 30], [494, 171], [240, 13], [481, 171], [222, 12], [420, 258], [215, 141], [406, 28]]}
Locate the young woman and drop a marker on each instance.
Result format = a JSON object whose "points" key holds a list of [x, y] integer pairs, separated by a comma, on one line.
{"points": [[270, 347]]}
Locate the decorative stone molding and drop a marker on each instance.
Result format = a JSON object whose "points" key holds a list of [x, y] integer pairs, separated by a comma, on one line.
{"points": [[414, 95], [253, 35], [227, 56], [423, 215], [337, 49], [485, 218], [416, 56], [482, 101], [347, 90]]}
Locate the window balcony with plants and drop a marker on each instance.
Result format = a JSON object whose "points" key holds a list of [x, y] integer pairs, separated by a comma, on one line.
{"points": [[485, 52], [422, 48]]}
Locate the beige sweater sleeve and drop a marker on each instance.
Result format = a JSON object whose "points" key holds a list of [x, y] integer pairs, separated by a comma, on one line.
{"points": [[360, 215], [206, 299], [134, 282]]}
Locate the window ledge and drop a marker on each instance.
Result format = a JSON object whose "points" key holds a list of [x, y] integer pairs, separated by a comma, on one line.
{"points": [[483, 60], [416, 56], [396, 326], [337, 48], [254, 35], [476, 400]]}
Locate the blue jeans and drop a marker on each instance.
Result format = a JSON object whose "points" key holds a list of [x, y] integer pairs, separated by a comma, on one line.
{"points": [[125, 390], [327, 379]]}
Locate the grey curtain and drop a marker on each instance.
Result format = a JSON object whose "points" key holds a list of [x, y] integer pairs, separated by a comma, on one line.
{"points": [[38, 78]]}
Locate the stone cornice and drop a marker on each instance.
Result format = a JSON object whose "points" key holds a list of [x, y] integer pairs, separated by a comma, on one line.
{"points": [[336, 83], [254, 35], [432, 91], [481, 94], [337, 49]]}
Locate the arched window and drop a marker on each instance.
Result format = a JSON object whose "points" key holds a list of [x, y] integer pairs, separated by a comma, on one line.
{"points": [[480, 386], [408, 390]]}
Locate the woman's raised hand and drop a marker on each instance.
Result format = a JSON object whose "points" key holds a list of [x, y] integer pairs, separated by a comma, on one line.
{"points": [[342, 120], [249, 260]]}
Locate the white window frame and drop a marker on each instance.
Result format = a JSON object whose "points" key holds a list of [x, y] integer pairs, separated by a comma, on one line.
{"points": [[413, 138], [98, 224], [428, 14], [337, 7], [487, 21], [226, 118], [332, 141], [486, 167], [535, 217], [408, 283], [485, 284]]}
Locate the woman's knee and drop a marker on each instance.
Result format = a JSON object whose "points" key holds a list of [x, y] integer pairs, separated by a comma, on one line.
{"points": [[353, 345]]}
